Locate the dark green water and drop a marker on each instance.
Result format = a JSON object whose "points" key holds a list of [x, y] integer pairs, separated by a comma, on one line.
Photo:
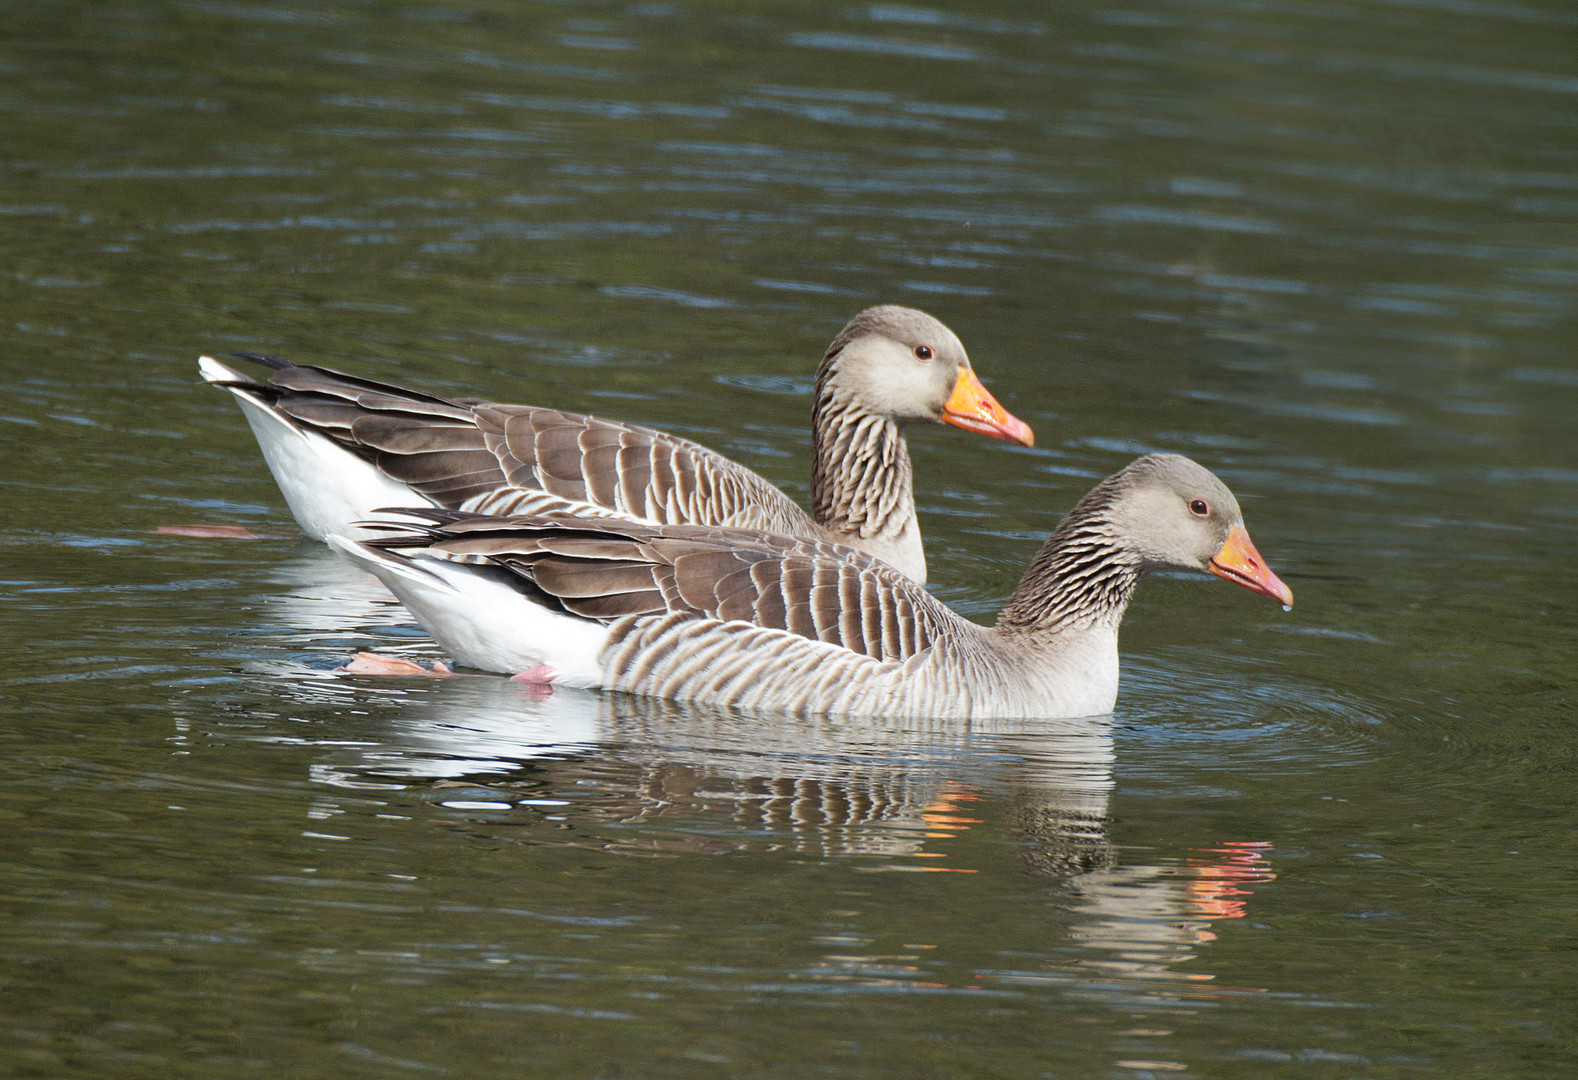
{"points": [[1328, 249]]}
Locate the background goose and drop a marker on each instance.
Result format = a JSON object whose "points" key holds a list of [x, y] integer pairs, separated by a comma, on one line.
{"points": [[341, 447], [743, 619]]}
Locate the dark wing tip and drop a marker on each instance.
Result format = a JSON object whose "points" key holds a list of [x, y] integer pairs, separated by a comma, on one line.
{"points": [[278, 363]]}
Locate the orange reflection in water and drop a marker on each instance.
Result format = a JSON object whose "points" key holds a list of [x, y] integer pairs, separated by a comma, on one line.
{"points": [[943, 813], [1221, 875], [943, 820]]}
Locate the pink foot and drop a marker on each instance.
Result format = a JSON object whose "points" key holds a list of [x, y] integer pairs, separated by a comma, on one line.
{"points": [[538, 682], [366, 663]]}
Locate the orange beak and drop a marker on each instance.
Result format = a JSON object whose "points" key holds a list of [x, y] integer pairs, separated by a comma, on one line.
{"points": [[1240, 563], [973, 408]]}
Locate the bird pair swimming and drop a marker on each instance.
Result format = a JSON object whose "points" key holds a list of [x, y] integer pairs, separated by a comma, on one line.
{"points": [[598, 554]]}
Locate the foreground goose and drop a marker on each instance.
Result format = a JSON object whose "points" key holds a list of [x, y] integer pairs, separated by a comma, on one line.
{"points": [[341, 447], [743, 619]]}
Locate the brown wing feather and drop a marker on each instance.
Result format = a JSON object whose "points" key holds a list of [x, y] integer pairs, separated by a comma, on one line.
{"points": [[457, 451], [607, 569], [400, 433], [370, 395], [424, 441], [631, 469]]}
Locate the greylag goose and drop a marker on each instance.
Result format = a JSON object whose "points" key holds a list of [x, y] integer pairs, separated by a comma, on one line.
{"points": [[745, 619], [341, 447]]}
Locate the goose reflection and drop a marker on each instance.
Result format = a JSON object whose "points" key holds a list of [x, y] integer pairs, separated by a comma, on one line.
{"points": [[1139, 923], [322, 609], [824, 786]]}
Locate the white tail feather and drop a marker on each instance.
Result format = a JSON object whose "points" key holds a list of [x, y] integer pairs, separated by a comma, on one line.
{"points": [[329, 489], [217, 370], [482, 621]]}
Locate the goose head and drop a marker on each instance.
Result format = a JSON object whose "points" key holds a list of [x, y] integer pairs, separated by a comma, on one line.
{"points": [[902, 364], [1171, 512]]}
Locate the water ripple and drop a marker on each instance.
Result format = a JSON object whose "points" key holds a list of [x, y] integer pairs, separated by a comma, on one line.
{"points": [[846, 42]]}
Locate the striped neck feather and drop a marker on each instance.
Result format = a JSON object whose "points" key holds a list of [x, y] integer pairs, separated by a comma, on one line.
{"points": [[1083, 576], [861, 481]]}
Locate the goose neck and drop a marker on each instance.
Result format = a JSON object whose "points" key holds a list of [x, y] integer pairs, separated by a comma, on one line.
{"points": [[1082, 578], [861, 481]]}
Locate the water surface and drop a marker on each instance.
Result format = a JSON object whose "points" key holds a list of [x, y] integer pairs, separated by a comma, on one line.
{"points": [[1327, 250]]}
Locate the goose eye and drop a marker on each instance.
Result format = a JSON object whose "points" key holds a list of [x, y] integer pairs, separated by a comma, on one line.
{"points": [[923, 352], [1199, 508]]}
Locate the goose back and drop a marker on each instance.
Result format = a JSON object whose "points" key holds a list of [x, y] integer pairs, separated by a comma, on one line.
{"points": [[489, 458]]}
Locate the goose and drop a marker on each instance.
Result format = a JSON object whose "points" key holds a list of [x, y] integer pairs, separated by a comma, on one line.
{"points": [[340, 447], [750, 620]]}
